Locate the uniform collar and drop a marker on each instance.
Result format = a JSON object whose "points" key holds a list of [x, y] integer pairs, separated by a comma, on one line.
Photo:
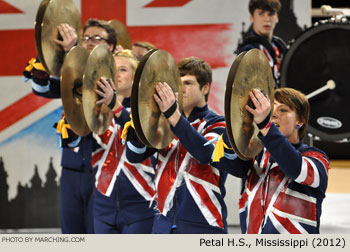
{"points": [[198, 113], [126, 102]]}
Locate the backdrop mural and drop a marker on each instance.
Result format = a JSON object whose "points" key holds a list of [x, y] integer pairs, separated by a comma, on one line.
{"points": [[29, 151]]}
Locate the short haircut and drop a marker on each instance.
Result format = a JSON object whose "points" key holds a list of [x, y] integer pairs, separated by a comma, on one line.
{"points": [[131, 57], [298, 102], [266, 5], [197, 67], [112, 35]]}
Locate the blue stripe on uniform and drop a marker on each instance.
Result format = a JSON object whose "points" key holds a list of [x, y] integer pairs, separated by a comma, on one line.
{"points": [[136, 149]]}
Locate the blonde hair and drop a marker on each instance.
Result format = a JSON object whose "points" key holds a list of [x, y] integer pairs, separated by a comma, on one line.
{"points": [[128, 54]]}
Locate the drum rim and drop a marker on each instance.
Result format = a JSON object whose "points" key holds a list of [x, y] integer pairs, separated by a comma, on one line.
{"points": [[292, 46], [301, 38]]}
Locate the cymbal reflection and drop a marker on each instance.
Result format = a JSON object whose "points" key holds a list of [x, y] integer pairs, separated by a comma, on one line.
{"points": [[151, 126], [100, 63], [71, 89], [253, 71], [50, 14]]}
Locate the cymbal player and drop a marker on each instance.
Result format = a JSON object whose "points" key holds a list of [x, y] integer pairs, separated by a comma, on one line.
{"points": [[77, 178], [190, 192]]}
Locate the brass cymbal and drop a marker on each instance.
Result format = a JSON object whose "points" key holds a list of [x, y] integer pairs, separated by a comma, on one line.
{"points": [[151, 126], [123, 36], [50, 14], [100, 63], [71, 89], [253, 72], [228, 94]]}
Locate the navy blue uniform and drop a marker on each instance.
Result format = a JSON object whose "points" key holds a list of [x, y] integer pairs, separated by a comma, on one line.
{"points": [[284, 186], [274, 50], [77, 179], [124, 192], [190, 191]]}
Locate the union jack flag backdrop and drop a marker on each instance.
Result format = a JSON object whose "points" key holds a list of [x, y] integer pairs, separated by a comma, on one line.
{"points": [[204, 28]]}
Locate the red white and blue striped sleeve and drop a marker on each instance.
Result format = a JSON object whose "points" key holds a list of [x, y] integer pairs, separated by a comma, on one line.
{"points": [[314, 166]]}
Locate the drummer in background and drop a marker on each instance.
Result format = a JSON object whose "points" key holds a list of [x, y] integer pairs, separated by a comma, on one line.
{"points": [[140, 48], [190, 191], [285, 184], [124, 191], [264, 17], [77, 178]]}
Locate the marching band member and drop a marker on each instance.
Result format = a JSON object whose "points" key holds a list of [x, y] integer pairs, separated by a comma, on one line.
{"points": [[77, 178], [124, 191], [264, 17], [285, 184], [189, 190]]}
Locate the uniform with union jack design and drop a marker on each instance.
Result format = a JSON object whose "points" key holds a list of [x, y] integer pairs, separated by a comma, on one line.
{"points": [[284, 186], [190, 191], [124, 191], [77, 179], [274, 51]]}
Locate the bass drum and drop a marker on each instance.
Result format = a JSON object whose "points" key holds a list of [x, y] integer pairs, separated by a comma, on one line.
{"points": [[319, 54]]}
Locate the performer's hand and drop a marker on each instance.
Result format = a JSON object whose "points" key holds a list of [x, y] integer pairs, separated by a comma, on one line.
{"points": [[262, 106], [106, 89], [69, 36], [165, 98]]}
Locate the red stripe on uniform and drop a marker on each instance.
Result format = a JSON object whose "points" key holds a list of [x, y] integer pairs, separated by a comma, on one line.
{"points": [[166, 181], [320, 157], [20, 109], [267, 156], [256, 214], [287, 224], [108, 169], [140, 179], [204, 172], [206, 200], [296, 206], [310, 177], [243, 200], [96, 156], [215, 125]]}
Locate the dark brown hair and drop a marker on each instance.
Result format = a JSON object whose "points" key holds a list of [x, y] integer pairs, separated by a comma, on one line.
{"points": [[298, 102], [112, 35], [197, 67], [266, 5]]}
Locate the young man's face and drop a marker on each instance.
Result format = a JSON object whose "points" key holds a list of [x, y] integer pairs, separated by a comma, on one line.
{"points": [[97, 35], [264, 22], [193, 96]]}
